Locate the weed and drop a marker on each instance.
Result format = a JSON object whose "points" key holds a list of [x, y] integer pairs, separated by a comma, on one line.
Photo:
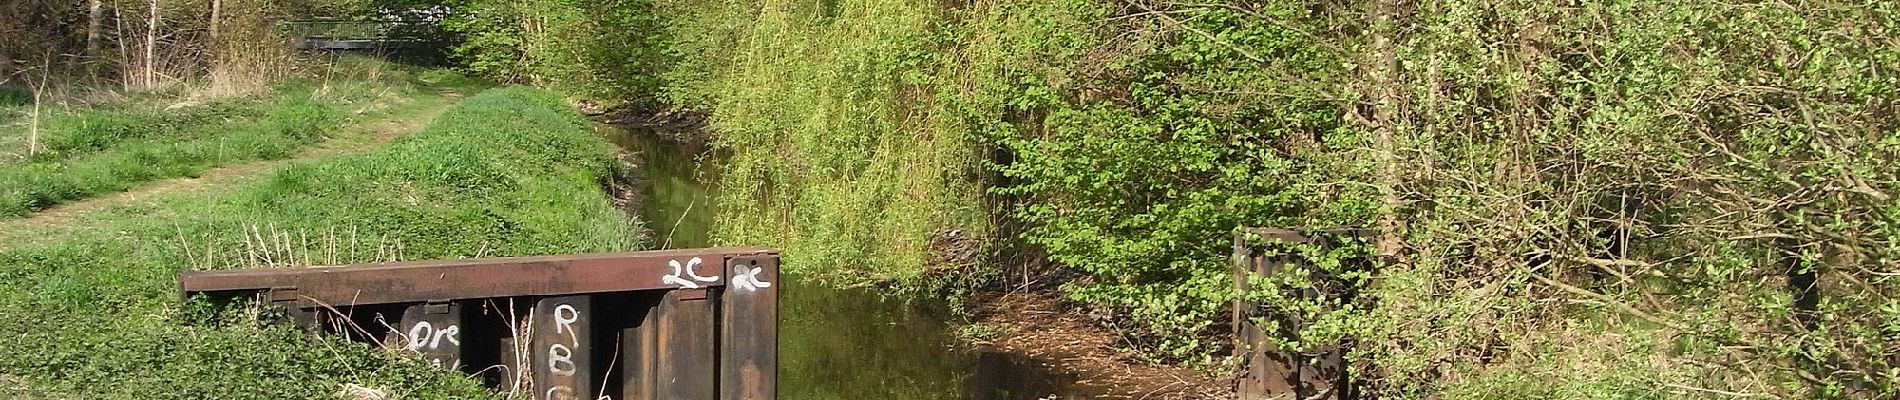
{"points": [[977, 332]]}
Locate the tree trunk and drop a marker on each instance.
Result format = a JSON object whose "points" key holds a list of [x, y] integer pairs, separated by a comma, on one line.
{"points": [[125, 65], [95, 11], [151, 46], [33, 127], [39, 94], [1385, 97], [216, 6]]}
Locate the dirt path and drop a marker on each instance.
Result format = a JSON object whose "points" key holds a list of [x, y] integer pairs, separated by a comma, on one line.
{"points": [[364, 136]]}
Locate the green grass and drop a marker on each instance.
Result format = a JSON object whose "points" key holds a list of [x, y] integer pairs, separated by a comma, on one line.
{"points": [[89, 151], [90, 309], [100, 152]]}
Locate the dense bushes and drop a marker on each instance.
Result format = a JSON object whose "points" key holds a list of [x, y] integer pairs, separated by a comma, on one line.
{"points": [[1697, 194], [597, 48], [1140, 190], [92, 307], [1723, 212]]}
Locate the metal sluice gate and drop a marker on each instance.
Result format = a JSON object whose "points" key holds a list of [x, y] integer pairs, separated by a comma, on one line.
{"points": [[672, 324]]}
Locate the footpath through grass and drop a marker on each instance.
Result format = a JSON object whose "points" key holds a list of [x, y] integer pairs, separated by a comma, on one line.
{"points": [[90, 311], [87, 151]]}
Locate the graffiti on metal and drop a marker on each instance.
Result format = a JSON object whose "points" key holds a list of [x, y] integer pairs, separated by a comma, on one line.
{"points": [[674, 324], [675, 279]]}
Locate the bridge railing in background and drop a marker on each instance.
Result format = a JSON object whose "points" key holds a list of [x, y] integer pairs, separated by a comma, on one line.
{"points": [[674, 324], [362, 35], [1262, 257]]}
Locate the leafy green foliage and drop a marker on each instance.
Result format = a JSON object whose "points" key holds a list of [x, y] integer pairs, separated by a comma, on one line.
{"points": [[601, 48], [1142, 190], [1676, 176], [1672, 182], [841, 153]]}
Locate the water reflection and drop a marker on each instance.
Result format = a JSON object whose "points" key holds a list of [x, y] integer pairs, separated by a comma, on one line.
{"points": [[834, 344]]}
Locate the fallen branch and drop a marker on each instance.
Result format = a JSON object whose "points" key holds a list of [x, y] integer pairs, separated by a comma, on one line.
{"points": [[1619, 306]]}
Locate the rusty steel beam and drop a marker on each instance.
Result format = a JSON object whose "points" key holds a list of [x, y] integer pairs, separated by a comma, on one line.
{"points": [[675, 324], [561, 333], [748, 332], [435, 332], [640, 345], [1266, 370], [425, 281], [685, 360]]}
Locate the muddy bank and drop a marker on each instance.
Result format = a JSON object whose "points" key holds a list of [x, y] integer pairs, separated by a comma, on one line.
{"points": [[1079, 358]]}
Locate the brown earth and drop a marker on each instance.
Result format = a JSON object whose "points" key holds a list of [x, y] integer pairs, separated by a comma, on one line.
{"points": [[1084, 359]]}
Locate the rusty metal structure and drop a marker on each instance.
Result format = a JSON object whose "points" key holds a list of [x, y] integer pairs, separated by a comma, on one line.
{"points": [[673, 324], [1270, 372]]}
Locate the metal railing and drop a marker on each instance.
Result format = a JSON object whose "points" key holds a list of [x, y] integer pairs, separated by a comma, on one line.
{"points": [[674, 324], [1268, 371]]}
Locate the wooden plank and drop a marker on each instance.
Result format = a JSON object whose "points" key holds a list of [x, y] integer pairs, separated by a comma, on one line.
{"points": [[562, 336], [748, 336]]}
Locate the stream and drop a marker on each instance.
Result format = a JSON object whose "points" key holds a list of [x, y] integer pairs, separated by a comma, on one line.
{"points": [[834, 344]]}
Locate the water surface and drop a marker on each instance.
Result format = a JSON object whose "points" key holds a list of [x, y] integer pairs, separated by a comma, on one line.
{"points": [[834, 344]]}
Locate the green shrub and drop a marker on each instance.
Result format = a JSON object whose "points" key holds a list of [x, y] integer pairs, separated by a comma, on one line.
{"points": [[1140, 192], [15, 96], [600, 48]]}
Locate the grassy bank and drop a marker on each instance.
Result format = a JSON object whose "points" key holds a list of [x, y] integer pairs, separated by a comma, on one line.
{"points": [[91, 307], [106, 142]]}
